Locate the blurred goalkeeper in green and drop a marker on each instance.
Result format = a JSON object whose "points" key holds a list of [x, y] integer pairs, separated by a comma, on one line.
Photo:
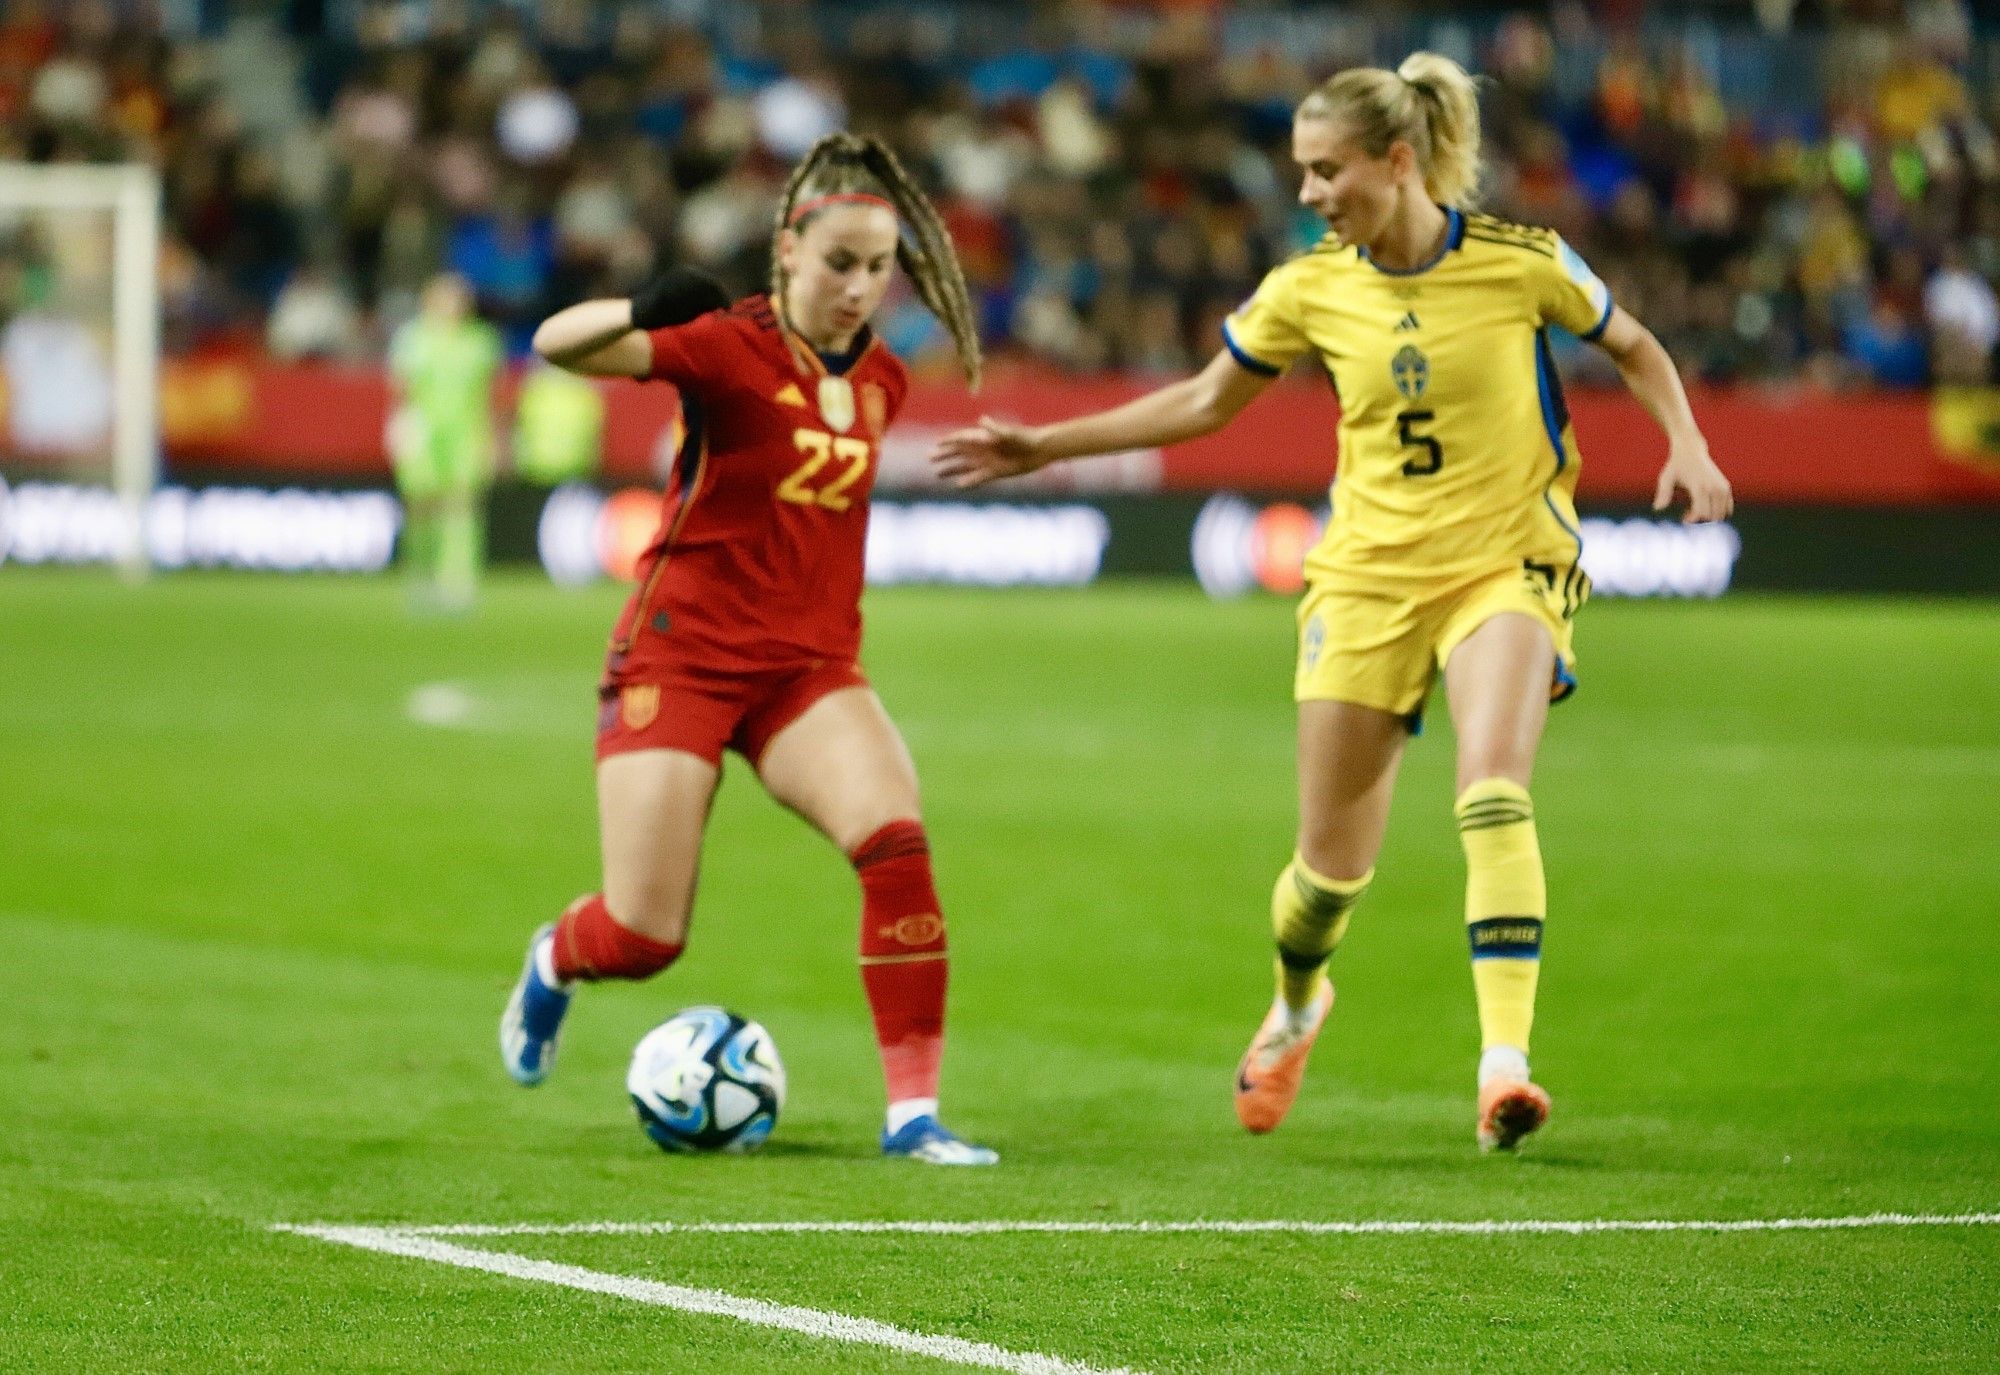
{"points": [[444, 364]]}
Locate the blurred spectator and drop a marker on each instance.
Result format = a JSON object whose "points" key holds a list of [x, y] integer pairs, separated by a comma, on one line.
{"points": [[1073, 46], [68, 89], [1887, 347], [537, 121], [1917, 96], [1075, 142], [57, 374], [507, 257], [799, 108], [409, 250], [558, 426], [1822, 205], [730, 217], [263, 239], [313, 318], [1964, 319]]}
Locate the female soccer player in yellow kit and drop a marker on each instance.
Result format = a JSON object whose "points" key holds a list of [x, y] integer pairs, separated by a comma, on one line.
{"points": [[1453, 544]]}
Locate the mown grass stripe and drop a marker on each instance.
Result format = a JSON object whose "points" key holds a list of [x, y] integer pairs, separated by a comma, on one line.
{"points": [[1304, 1227]]}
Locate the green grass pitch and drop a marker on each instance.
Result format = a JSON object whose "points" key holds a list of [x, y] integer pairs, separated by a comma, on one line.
{"points": [[259, 923]]}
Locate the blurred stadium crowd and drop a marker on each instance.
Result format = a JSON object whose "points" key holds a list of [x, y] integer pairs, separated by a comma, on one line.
{"points": [[1819, 202]]}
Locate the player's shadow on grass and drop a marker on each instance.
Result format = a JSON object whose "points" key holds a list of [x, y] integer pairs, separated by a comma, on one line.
{"points": [[1551, 1160], [1456, 1163], [820, 1150], [607, 1142]]}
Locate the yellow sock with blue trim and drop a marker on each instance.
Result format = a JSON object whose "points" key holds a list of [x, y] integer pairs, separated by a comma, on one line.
{"points": [[1309, 914], [1506, 900]]}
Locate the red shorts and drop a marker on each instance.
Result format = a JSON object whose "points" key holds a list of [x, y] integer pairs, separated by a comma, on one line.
{"points": [[706, 713]]}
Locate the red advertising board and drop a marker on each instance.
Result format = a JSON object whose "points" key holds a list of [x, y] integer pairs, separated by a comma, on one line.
{"points": [[1795, 447]]}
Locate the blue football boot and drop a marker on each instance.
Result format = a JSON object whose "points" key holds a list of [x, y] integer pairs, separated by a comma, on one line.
{"points": [[926, 1139], [532, 1021]]}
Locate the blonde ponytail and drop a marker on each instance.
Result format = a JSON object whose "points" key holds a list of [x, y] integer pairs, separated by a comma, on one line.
{"points": [[1430, 103], [1450, 104]]}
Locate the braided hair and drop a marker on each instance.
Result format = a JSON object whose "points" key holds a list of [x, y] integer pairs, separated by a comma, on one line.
{"points": [[847, 164]]}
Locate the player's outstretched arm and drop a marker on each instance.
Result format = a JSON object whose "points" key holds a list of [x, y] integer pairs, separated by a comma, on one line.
{"points": [[1198, 405], [607, 338], [595, 338], [1650, 374]]}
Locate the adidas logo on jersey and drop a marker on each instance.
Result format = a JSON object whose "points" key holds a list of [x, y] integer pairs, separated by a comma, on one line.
{"points": [[790, 395], [1409, 321]]}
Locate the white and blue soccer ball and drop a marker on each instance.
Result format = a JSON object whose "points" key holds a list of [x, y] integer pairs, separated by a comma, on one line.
{"points": [[707, 1080]]}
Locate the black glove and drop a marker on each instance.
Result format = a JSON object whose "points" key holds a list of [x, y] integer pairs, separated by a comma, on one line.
{"points": [[675, 296]]}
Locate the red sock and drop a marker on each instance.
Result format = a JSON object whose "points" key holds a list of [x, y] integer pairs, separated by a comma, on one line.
{"points": [[903, 963], [590, 944]]}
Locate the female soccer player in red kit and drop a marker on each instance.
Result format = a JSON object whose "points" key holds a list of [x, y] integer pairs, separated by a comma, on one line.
{"points": [[745, 630]]}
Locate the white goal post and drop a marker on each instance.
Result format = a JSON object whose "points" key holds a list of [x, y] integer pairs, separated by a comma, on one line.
{"points": [[130, 193]]}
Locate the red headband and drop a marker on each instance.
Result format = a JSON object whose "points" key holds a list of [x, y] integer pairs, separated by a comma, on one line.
{"points": [[837, 198]]}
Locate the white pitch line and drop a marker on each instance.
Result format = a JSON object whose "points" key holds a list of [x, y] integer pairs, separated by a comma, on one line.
{"points": [[811, 1321], [1379, 1227]]}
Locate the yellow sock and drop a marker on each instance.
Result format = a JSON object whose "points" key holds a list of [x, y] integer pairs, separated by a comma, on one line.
{"points": [[1506, 900], [1309, 915]]}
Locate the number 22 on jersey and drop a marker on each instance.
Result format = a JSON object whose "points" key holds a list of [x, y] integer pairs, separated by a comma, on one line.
{"points": [[820, 449]]}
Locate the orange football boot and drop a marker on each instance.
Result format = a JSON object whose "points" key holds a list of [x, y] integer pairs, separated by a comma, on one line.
{"points": [[1508, 1110], [1267, 1082]]}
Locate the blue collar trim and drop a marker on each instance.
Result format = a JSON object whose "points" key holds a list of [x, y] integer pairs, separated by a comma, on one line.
{"points": [[1454, 235]]}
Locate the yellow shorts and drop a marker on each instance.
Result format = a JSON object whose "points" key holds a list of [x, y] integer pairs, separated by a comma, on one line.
{"points": [[1382, 649]]}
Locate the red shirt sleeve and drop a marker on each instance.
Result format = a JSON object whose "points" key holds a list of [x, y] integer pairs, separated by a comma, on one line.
{"points": [[694, 356]]}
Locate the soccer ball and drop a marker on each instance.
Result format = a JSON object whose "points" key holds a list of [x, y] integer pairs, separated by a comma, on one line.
{"points": [[708, 1080]]}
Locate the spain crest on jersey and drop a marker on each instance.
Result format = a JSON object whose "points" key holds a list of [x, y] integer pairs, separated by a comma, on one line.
{"points": [[836, 403]]}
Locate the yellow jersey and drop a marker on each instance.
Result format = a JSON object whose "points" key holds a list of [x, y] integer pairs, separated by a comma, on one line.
{"points": [[1456, 454]]}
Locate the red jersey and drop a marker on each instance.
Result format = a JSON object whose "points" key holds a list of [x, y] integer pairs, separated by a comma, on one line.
{"points": [[758, 560]]}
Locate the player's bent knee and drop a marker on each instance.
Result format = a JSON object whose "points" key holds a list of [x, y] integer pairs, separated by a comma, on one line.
{"points": [[893, 837], [860, 835], [592, 942], [657, 913]]}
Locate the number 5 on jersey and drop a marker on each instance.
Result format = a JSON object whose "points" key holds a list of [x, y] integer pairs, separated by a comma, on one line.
{"points": [[820, 449], [1419, 467]]}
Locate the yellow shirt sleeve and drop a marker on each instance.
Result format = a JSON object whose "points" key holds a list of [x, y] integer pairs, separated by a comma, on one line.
{"points": [[1265, 334], [1569, 294]]}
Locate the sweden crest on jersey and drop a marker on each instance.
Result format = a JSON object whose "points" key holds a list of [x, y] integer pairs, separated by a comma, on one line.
{"points": [[1410, 371]]}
